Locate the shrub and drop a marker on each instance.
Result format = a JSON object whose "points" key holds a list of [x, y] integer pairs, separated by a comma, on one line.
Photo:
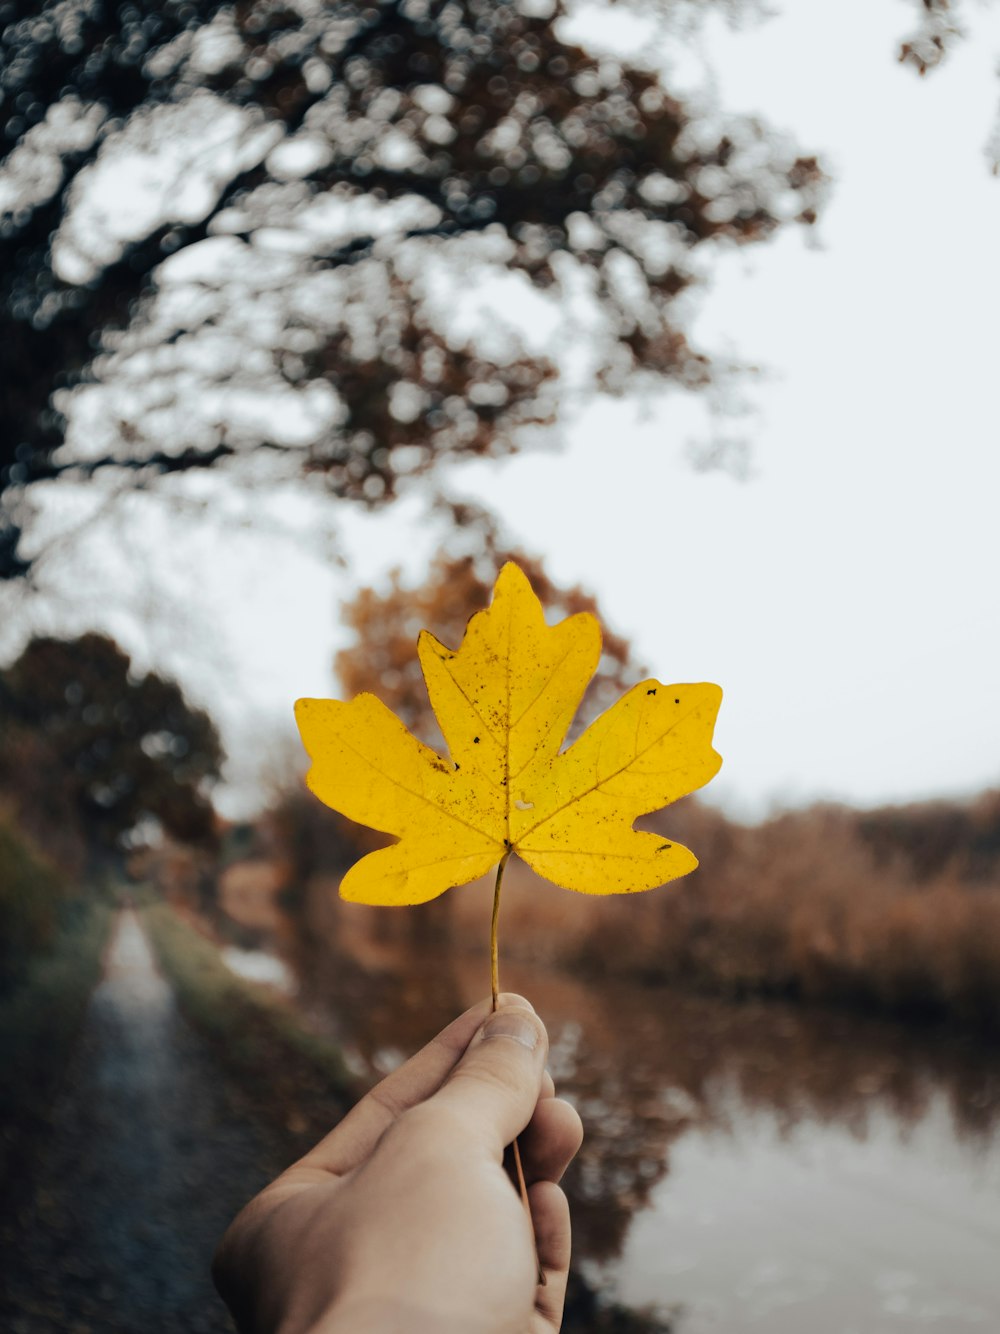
{"points": [[40, 1017], [30, 893]]}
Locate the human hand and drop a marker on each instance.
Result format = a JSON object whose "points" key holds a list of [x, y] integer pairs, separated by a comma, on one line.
{"points": [[403, 1218]]}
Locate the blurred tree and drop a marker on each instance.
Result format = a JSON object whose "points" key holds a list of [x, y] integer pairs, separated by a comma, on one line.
{"points": [[937, 28], [383, 656], [124, 747], [232, 229]]}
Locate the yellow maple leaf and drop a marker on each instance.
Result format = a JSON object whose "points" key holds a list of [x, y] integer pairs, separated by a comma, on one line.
{"points": [[504, 701]]}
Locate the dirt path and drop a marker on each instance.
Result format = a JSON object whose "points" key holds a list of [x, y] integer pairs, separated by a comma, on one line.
{"points": [[146, 1165]]}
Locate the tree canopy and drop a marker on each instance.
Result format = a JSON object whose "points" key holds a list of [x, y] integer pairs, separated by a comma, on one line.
{"points": [[88, 744], [257, 228]]}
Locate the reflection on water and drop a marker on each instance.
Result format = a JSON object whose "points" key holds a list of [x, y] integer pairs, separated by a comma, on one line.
{"points": [[747, 1166], [260, 966], [818, 1229]]}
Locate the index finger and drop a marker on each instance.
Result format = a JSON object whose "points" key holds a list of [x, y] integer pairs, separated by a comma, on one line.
{"points": [[352, 1140]]}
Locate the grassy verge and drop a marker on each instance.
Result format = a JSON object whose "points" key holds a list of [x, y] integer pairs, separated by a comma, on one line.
{"points": [[39, 1021], [285, 1076]]}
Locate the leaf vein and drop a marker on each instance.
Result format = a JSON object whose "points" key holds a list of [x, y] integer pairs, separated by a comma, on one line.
{"points": [[396, 782], [545, 685], [438, 861], [610, 856], [461, 690], [600, 782]]}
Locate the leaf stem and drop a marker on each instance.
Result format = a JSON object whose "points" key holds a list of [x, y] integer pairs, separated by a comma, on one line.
{"points": [[494, 950], [495, 986]]}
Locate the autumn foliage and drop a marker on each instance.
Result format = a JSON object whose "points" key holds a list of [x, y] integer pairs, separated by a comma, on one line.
{"points": [[803, 907]]}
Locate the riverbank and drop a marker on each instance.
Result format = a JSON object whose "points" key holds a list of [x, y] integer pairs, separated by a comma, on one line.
{"points": [[892, 911]]}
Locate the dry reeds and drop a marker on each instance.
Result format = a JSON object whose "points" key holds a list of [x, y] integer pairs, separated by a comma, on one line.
{"points": [[894, 910]]}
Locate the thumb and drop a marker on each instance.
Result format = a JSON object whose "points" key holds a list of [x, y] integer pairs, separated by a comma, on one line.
{"points": [[496, 1085]]}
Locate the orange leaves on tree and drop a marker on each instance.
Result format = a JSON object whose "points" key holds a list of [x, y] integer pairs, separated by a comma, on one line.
{"points": [[504, 701]]}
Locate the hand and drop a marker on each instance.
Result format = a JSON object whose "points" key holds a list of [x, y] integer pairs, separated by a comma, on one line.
{"points": [[403, 1218]]}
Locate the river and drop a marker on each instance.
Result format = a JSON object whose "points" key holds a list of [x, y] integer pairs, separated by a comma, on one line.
{"points": [[747, 1166]]}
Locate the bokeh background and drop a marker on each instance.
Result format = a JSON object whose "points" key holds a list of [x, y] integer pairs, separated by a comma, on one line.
{"points": [[311, 315]]}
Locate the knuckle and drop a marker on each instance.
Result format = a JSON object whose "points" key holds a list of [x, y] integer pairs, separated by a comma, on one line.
{"points": [[501, 1080], [522, 1028]]}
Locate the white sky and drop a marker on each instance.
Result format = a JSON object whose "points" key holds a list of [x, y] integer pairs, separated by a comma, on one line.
{"points": [[844, 595]]}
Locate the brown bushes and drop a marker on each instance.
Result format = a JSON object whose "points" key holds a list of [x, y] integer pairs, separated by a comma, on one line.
{"points": [[804, 906], [876, 909]]}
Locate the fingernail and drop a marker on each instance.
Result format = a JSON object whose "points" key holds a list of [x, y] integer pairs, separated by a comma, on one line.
{"points": [[511, 1024]]}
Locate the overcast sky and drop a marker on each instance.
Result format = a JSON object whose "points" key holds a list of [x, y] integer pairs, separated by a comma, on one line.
{"points": [[844, 593]]}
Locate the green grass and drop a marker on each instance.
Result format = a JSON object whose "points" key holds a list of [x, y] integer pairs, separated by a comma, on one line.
{"points": [[40, 1018], [285, 1075], [32, 894]]}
